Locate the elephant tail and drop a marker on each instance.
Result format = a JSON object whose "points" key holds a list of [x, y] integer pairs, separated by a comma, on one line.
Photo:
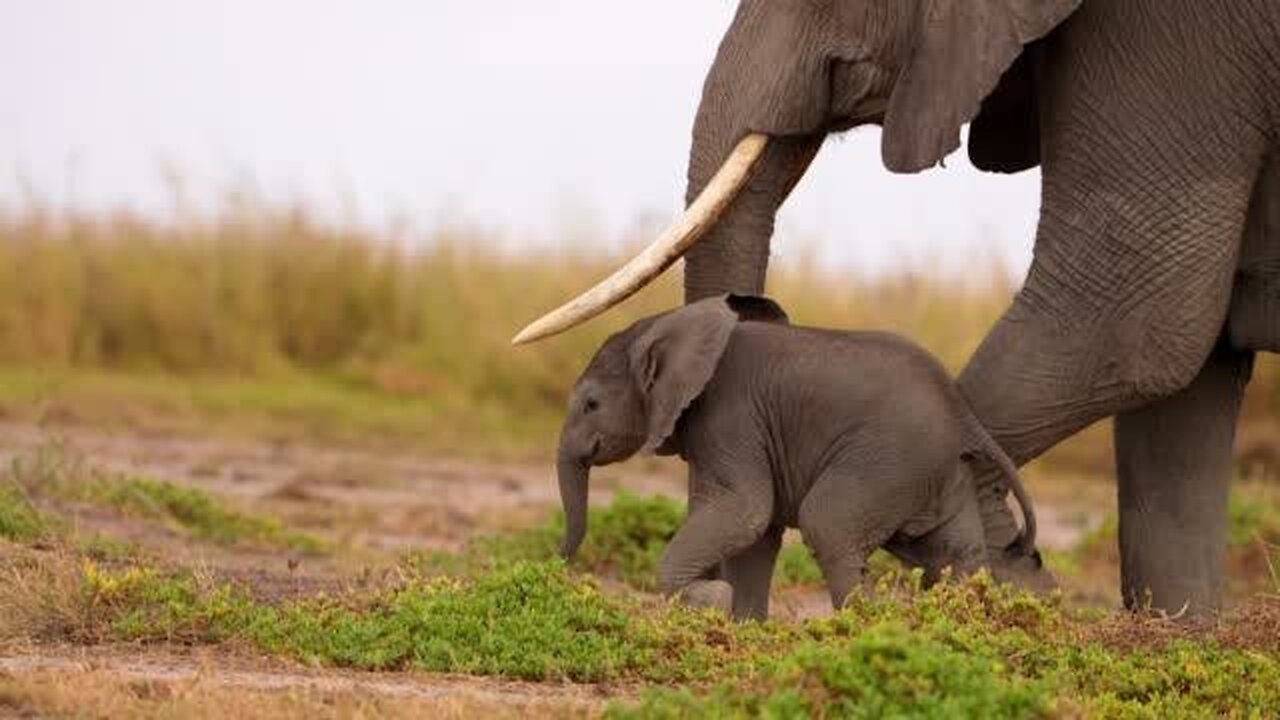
{"points": [[1026, 542]]}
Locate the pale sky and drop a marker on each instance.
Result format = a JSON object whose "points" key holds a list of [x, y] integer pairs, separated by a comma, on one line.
{"points": [[541, 119]]}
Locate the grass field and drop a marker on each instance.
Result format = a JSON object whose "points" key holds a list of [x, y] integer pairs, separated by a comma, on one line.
{"points": [[256, 466], [263, 322]]}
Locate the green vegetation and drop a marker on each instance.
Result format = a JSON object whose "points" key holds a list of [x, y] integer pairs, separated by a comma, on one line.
{"points": [[1253, 548], [529, 620], [960, 649], [103, 548], [625, 540], [51, 471], [976, 650], [796, 566], [19, 520], [193, 510], [1253, 510]]}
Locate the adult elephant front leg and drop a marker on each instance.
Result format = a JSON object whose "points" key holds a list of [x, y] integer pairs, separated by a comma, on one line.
{"points": [[1173, 460], [734, 256]]}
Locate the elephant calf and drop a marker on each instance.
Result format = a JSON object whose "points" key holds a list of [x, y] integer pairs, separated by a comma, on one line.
{"points": [[860, 439]]}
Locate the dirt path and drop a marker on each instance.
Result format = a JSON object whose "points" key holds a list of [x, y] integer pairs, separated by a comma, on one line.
{"points": [[374, 505], [390, 501], [208, 671], [395, 501]]}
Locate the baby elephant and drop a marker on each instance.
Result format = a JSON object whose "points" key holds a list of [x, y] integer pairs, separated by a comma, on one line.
{"points": [[860, 439]]}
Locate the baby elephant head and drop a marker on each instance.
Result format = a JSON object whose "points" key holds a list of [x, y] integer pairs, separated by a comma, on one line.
{"points": [[631, 395]]}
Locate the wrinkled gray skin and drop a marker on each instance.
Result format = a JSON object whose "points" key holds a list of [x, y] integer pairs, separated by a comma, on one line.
{"points": [[1157, 259], [860, 439]]}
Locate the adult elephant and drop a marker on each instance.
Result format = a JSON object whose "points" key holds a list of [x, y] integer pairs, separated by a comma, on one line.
{"points": [[1152, 121]]}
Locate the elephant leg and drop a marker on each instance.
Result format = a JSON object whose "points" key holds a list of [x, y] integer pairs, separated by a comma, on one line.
{"points": [[957, 544], [846, 515], [1110, 319], [1173, 460], [719, 526], [750, 573]]}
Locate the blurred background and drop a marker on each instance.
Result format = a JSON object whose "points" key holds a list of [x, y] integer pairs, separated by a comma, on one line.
{"points": [[323, 221]]}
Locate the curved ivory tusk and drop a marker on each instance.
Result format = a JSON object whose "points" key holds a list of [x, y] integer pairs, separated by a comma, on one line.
{"points": [[675, 241]]}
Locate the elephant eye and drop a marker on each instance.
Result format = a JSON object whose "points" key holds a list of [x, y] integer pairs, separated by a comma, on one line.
{"points": [[590, 406]]}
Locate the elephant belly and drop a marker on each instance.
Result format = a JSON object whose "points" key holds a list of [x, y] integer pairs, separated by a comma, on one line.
{"points": [[1254, 319]]}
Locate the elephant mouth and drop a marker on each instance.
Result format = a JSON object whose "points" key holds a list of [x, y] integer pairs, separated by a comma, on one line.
{"points": [[700, 217]]}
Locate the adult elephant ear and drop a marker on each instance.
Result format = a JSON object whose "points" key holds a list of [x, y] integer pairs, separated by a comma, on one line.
{"points": [[962, 48], [672, 362]]}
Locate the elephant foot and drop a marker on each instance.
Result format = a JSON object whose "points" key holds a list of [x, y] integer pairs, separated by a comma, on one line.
{"points": [[716, 594]]}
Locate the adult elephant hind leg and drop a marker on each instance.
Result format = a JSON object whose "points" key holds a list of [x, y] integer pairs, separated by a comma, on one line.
{"points": [[1173, 461], [750, 573], [1123, 305]]}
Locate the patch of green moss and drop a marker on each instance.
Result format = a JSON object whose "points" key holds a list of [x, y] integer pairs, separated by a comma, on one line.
{"points": [[625, 540], [1253, 512], [196, 511], [53, 471], [960, 649], [20, 521], [886, 671], [108, 549], [1253, 543], [796, 566], [529, 620], [975, 649]]}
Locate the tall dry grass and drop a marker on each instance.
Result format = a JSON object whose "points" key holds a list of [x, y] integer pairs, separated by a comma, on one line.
{"points": [[263, 293]]}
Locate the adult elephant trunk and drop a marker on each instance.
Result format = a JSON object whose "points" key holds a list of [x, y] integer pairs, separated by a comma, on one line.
{"points": [[733, 257], [574, 472]]}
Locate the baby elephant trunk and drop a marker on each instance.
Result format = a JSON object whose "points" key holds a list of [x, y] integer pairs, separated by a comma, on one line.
{"points": [[573, 472]]}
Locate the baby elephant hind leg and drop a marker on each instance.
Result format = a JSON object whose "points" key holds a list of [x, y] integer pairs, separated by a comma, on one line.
{"points": [[847, 515], [750, 573], [957, 545]]}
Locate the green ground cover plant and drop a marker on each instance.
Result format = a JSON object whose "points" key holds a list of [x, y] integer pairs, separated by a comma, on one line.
{"points": [[20, 521], [971, 648], [625, 540], [1253, 541], [54, 472], [533, 621]]}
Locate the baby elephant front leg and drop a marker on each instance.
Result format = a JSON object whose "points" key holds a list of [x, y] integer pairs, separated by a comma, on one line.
{"points": [[717, 528]]}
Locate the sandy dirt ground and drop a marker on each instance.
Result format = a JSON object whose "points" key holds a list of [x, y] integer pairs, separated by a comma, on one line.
{"points": [[377, 506]]}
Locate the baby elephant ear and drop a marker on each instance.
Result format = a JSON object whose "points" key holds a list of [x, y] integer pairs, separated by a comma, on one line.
{"points": [[674, 359], [754, 308]]}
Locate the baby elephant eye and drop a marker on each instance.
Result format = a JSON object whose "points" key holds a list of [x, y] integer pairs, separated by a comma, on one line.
{"points": [[590, 406]]}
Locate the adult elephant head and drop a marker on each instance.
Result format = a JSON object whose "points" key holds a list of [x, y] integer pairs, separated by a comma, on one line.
{"points": [[789, 72]]}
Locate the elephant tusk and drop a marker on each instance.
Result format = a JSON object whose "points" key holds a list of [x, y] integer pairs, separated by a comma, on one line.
{"points": [[674, 242]]}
